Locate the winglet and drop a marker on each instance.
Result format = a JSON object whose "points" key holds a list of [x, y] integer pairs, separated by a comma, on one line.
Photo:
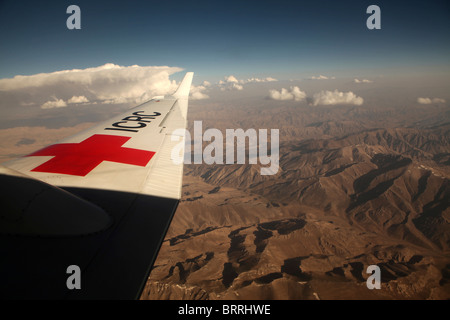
{"points": [[185, 86]]}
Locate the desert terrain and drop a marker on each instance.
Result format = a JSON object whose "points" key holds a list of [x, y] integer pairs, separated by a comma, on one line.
{"points": [[357, 186]]}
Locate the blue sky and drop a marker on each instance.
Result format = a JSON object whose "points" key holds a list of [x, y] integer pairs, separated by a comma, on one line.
{"points": [[217, 38]]}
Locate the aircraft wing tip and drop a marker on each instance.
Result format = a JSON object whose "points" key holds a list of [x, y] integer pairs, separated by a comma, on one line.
{"points": [[185, 86]]}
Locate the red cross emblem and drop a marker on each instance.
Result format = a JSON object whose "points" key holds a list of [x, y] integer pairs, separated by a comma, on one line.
{"points": [[79, 159]]}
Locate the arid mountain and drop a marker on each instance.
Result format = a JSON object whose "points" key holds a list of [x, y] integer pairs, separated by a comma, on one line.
{"points": [[360, 187]]}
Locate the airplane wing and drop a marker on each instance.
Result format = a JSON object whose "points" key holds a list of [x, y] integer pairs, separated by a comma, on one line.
{"points": [[101, 200]]}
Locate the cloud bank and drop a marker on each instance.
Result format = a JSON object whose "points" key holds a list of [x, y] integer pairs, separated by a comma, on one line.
{"points": [[106, 84]]}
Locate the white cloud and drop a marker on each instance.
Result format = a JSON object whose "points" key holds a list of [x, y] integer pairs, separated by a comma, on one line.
{"points": [[321, 77], [232, 83], [336, 97], [78, 99], [430, 101], [294, 93], [199, 96], [362, 81], [231, 79], [268, 79], [108, 83], [57, 103], [206, 83], [232, 86], [197, 92]]}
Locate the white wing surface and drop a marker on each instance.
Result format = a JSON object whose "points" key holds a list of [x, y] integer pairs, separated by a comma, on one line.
{"points": [[102, 200]]}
